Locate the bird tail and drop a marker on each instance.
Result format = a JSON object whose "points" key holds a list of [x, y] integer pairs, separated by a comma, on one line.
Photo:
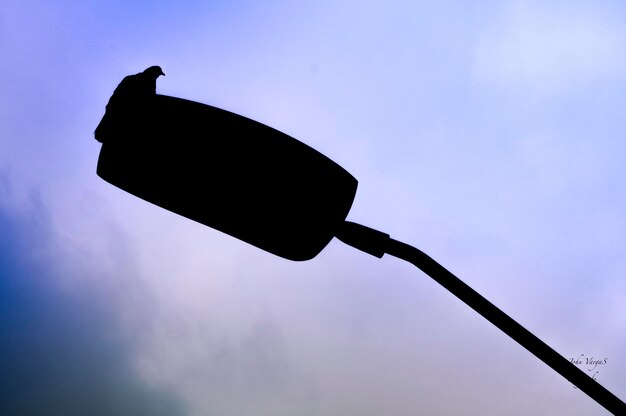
{"points": [[102, 130]]}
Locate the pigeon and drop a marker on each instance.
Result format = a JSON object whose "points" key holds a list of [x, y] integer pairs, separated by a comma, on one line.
{"points": [[127, 100], [139, 85]]}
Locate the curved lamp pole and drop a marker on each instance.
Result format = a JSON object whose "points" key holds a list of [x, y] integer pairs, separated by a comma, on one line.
{"points": [[270, 190]]}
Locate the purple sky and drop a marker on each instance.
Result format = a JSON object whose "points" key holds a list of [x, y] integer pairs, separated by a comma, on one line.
{"points": [[490, 135]]}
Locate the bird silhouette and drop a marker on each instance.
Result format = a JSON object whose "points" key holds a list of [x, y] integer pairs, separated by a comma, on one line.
{"points": [[128, 102]]}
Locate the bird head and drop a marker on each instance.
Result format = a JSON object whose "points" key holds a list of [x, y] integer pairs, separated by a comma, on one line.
{"points": [[154, 71]]}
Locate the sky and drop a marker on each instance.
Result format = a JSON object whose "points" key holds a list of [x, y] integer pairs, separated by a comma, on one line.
{"points": [[489, 135]]}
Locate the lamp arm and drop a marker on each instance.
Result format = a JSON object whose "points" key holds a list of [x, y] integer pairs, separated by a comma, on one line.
{"points": [[377, 244]]}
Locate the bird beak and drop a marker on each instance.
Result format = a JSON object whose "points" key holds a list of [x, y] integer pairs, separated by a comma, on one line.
{"points": [[162, 73]]}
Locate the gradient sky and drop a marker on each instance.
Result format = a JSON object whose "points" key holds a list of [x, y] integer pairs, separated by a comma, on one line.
{"points": [[488, 134]]}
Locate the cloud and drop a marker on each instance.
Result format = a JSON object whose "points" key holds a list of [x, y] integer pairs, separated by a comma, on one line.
{"points": [[62, 352], [549, 47]]}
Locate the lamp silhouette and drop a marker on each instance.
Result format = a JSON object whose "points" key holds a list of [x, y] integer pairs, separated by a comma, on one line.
{"points": [[270, 190]]}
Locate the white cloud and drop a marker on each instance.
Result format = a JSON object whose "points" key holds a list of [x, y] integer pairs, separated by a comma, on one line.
{"points": [[547, 47]]}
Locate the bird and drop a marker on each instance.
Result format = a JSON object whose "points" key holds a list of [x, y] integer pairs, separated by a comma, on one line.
{"points": [[132, 93], [141, 84]]}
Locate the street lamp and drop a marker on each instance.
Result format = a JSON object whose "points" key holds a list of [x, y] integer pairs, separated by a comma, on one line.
{"points": [[270, 190]]}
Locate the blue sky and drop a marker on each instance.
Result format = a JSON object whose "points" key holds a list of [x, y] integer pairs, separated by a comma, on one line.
{"points": [[489, 135]]}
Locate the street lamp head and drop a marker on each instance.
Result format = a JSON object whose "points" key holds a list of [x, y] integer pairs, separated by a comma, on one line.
{"points": [[231, 173]]}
